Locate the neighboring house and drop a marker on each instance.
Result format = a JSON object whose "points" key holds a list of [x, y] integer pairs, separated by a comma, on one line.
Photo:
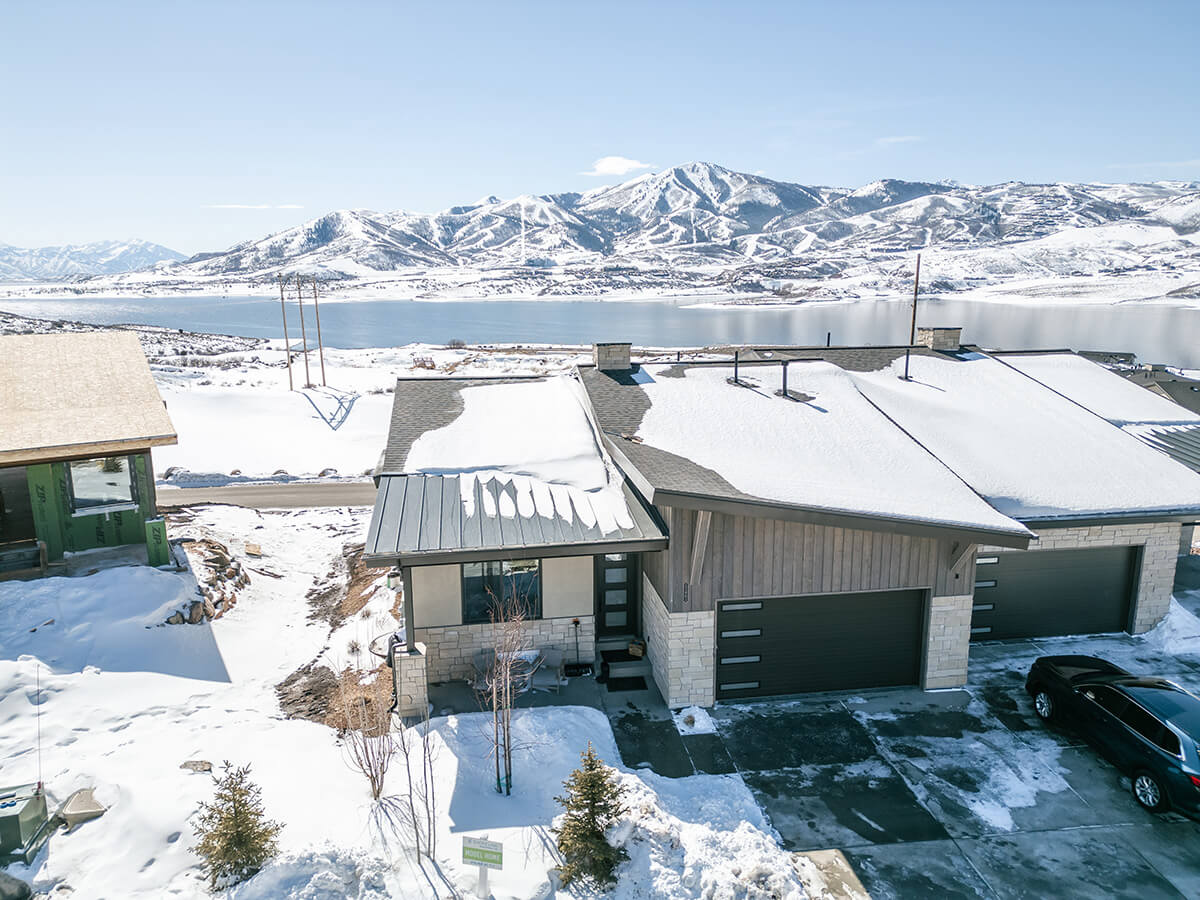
{"points": [[806, 520], [78, 416]]}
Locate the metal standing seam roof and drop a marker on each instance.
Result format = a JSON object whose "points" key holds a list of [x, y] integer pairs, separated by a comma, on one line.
{"points": [[421, 519], [1180, 442]]}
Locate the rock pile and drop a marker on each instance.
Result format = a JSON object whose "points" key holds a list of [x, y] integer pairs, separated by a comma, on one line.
{"points": [[219, 576]]}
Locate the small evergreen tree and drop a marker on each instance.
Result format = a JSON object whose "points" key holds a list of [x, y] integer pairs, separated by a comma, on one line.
{"points": [[236, 838], [593, 803]]}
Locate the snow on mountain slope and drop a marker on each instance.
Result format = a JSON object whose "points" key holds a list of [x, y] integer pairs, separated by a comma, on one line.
{"points": [[97, 258], [704, 228]]}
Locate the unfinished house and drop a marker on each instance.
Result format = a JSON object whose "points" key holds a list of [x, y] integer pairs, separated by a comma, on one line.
{"points": [[79, 414]]}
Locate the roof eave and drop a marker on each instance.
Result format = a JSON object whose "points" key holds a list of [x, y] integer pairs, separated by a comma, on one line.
{"points": [[376, 559], [844, 519], [1079, 520], [89, 450]]}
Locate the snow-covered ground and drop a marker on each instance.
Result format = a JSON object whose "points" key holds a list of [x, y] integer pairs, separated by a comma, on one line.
{"points": [[124, 701]]}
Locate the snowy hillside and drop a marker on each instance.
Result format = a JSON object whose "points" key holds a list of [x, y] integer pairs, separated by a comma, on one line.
{"points": [[98, 258], [701, 228]]}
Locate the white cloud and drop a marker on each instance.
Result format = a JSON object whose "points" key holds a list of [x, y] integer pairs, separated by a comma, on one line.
{"points": [[251, 206], [616, 165], [898, 139]]}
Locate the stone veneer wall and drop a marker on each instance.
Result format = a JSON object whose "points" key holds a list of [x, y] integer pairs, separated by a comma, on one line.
{"points": [[682, 650], [947, 642], [1160, 542], [451, 648], [412, 684]]}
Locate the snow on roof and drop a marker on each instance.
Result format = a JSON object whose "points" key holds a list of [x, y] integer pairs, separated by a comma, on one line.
{"points": [[1104, 392], [835, 452], [89, 392], [535, 439], [1030, 452]]}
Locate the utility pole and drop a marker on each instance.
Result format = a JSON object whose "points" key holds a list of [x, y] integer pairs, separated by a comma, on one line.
{"points": [[912, 332], [320, 344], [303, 336], [287, 344]]}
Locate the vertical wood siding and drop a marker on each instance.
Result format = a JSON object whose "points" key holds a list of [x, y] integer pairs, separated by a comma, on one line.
{"points": [[756, 557]]}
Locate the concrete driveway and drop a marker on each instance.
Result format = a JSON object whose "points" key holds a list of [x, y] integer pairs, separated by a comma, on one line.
{"points": [[965, 793]]}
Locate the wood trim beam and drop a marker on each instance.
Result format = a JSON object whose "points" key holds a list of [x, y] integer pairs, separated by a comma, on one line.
{"points": [[700, 545]]}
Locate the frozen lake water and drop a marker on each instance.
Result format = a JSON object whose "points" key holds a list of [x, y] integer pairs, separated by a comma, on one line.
{"points": [[1156, 333]]}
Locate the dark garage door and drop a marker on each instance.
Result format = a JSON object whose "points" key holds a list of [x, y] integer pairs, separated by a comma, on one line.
{"points": [[791, 645], [1040, 593]]}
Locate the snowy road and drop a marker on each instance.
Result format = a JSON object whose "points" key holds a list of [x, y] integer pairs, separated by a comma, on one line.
{"points": [[272, 496]]}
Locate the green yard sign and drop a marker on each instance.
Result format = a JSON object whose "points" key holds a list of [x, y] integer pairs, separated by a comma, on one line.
{"points": [[479, 852]]}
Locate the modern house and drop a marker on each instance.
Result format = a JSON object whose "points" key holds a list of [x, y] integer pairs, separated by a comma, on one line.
{"points": [[794, 520], [79, 414]]}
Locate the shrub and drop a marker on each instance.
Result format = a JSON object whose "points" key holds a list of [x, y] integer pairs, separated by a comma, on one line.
{"points": [[593, 804], [236, 838]]}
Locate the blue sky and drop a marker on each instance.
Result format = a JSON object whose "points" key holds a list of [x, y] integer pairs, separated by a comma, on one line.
{"points": [[200, 124]]}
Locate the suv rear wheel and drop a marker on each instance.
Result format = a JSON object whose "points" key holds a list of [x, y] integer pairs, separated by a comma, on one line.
{"points": [[1148, 791], [1043, 705]]}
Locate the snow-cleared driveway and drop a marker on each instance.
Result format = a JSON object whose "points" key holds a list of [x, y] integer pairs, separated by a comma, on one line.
{"points": [[966, 793]]}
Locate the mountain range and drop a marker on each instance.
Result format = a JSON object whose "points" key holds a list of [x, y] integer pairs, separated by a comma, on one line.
{"points": [[98, 258], [701, 226]]}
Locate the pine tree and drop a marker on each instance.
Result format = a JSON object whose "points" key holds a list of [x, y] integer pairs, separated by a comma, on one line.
{"points": [[236, 838], [592, 803]]}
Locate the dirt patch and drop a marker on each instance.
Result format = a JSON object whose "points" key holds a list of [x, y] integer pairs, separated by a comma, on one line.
{"points": [[362, 701], [345, 590], [307, 693]]}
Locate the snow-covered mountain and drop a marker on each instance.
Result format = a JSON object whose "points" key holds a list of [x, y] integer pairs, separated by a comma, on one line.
{"points": [[703, 227], [97, 258]]}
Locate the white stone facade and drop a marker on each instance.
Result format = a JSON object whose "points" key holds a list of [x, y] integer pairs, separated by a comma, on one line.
{"points": [[1160, 548], [412, 684], [451, 648], [947, 642], [682, 650]]}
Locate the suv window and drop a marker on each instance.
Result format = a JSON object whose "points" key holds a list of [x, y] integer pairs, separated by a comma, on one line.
{"points": [[1169, 741], [1142, 722], [1113, 701]]}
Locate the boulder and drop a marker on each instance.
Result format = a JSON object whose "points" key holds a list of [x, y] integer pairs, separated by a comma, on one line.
{"points": [[13, 888], [176, 619], [195, 614], [197, 765]]}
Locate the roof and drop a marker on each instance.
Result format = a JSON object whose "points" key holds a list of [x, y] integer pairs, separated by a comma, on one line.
{"points": [[688, 432], [71, 395], [430, 519], [479, 467], [1034, 454], [1152, 418]]}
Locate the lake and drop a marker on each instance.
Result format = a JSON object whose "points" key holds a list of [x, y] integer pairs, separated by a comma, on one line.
{"points": [[1156, 333]]}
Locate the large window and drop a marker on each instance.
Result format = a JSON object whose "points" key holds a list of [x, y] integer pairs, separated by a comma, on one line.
{"points": [[488, 584], [98, 485]]}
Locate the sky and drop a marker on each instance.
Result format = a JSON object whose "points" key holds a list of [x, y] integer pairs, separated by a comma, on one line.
{"points": [[197, 125]]}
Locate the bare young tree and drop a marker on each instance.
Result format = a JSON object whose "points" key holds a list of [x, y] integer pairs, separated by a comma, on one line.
{"points": [[419, 754], [367, 738], [508, 677]]}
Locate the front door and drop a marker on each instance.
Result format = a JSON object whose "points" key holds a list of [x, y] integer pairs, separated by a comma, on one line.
{"points": [[617, 592]]}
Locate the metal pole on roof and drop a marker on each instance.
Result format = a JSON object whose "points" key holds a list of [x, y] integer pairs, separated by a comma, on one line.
{"points": [[303, 335], [320, 344], [912, 332], [287, 349], [735, 366]]}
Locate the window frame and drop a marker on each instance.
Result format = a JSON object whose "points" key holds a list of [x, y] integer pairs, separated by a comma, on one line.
{"points": [[534, 615], [132, 504]]}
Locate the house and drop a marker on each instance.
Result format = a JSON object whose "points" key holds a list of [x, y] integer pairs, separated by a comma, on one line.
{"points": [[794, 520], [79, 414]]}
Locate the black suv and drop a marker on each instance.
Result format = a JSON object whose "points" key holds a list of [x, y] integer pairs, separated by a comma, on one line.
{"points": [[1147, 727]]}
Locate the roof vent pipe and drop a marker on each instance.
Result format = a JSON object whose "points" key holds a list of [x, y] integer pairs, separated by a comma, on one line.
{"points": [[735, 367]]}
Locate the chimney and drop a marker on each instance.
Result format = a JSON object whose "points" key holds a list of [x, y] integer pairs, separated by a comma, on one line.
{"points": [[612, 357], [939, 338]]}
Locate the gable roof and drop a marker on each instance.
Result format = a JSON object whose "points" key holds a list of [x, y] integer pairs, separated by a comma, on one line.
{"points": [[71, 395]]}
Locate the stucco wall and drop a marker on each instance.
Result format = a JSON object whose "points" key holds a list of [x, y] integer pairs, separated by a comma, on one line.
{"points": [[437, 595], [567, 586]]}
